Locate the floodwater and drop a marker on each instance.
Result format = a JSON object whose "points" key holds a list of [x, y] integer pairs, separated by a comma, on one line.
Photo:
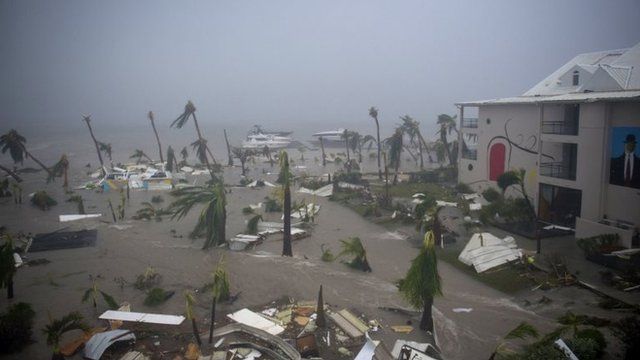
{"points": [[261, 274]]}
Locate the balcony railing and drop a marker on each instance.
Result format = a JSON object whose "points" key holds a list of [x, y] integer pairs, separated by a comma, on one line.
{"points": [[470, 154], [470, 123], [560, 170], [559, 128]]}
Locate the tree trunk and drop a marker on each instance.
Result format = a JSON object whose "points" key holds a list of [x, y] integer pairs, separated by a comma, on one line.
{"points": [[324, 157], [426, 323], [395, 174], [65, 185], [153, 125], [360, 152], [11, 173], [421, 158], [196, 334], [386, 180], [213, 318], [95, 142], [195, 121], [378, 135], [222, 230], [226, 140], [37, 161], [426, 148], [10, 288], [286, 238], [346, 144], [243, 168], [320, 319]]}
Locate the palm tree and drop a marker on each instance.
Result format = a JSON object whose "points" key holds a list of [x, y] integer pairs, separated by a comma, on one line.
{"points": [[395, 151], [61, 168], [106, 148], [301, 150], [243, 155], [267, 152], [93, 293], [213, 217], [516, 178], [14, 143], [190, 111], [153, 125], [190, 300], [373, 112], [412, 129], [252, 224], [11, 173], [219, 291], [324, 157], [226, 140], [353, 247], [7, 265], [345, 135], [285, 176], [522, 331], [184, 153], [87, 120], [447, 126], [57, 328], [422, 282], [139, 154]]}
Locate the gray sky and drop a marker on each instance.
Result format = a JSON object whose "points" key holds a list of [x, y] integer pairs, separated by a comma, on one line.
{"points": [[279, 63]]}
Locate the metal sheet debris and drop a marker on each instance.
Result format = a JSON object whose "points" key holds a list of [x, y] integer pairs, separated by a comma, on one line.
{"points": [[142, 317], [422, 347], [485, 251], [248, 317], [134, 355], [446, 203], [404, 329], [74, 217], [346, 326], [324, 191], [461, 310], [368, 350], [95, 347], [354, 320], [63, 240]]}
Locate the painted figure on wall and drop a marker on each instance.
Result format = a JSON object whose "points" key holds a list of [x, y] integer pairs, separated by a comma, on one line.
{"points": [[625, 160]]}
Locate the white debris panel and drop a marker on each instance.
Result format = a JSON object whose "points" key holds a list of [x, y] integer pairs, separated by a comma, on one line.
{"points": [[250, 318], [324, 191], [485, 251], [142, 317]]}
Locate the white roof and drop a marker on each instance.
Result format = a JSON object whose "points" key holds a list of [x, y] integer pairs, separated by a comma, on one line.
{"points": [[604, 75]]}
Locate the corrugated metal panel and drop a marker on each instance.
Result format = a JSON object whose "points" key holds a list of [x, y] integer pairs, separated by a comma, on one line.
{"points": [[573, 97]]}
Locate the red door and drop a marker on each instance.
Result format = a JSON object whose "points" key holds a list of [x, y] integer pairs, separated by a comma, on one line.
{"points": [[496, 161]]}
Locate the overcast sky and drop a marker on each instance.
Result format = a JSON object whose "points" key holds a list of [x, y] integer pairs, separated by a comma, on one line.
{"points": [[287, 62]]}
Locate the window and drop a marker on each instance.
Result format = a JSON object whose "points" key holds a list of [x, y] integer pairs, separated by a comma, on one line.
{"points": [[576, 78]]}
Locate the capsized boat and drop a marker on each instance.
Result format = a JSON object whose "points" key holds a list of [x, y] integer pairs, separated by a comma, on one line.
{"points": [[330, 138]]}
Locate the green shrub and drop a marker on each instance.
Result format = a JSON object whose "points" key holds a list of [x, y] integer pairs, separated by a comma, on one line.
{"points": [[271, 205], [604, 243], [149, 279], [157, 296], [463, 188], [596, 336], [157, 199], [353, 177], [628, 331], [15, 328], [491, 195], [542, 351], [42, 200], [584, 348]]}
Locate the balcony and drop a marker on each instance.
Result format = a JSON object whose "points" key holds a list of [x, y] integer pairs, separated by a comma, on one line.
{"points": [[559, 128], [560, 170], [470, 154], [470, 123]]}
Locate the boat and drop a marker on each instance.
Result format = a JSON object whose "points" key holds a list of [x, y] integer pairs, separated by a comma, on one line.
{"points": [[259, 141], [257, 129], [331, 138]]}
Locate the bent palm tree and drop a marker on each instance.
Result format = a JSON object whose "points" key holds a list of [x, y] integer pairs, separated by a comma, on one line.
{"points": [[373, 112], [106, 148], [447, 126], [184, 153], [190, 111], [153, 125], [87, 120], [212, 219], [14, 143], [324, 156], [353, 247], [522, 331], [267, 152], [190, 300], [412, 129], [395, 152], [172, 163], [422, 281], [58, 327], [93, 293], [60, 169], [243, 155], [226, 140], [139, 154], [285, 176], [219, 291]]}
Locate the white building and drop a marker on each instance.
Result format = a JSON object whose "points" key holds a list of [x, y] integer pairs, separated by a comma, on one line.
{"points": [[577, 135]]}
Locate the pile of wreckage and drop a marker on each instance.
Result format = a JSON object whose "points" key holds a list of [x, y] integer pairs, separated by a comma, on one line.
{"points": [[283, 330]]}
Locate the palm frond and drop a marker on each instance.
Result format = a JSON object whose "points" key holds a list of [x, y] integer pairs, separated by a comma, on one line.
{"points": [[111, 302], [522, 331]]}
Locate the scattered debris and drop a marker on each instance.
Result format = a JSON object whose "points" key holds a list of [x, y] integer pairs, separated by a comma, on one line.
{"points": [[142, 317], [404, 329], [462, 310], [74, 217], [485, 251], [324, 191], [250, 318], [64, 240], [95, 347]]}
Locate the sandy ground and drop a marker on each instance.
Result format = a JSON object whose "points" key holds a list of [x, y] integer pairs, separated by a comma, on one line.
{"points": [[260, 274]]}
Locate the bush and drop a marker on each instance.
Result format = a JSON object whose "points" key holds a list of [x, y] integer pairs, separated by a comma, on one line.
{"points": [[157, 199], [463, 188], [15, 328], [491, 195], [271, 205], [149, 279], [584, 348], [603, 244], [543, 351], [353, 177], [628, 331], [157, 296], [42, 200], [594, 335]]}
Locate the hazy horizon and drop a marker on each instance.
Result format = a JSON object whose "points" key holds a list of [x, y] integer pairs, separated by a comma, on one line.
{"points": [[311, 65]]}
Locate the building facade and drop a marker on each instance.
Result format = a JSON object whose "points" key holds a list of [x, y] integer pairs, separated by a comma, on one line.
{"points": [[577, 136]]}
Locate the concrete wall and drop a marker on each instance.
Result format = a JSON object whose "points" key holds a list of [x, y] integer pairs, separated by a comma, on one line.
{"points": [[522, 124]]}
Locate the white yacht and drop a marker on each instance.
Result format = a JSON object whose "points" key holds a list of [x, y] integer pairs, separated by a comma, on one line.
{"points": [[329, 138], [259, 141]]}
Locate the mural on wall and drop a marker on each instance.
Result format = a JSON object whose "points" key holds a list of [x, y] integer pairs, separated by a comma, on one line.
{"points": [[499, 161], [624, 169]]}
